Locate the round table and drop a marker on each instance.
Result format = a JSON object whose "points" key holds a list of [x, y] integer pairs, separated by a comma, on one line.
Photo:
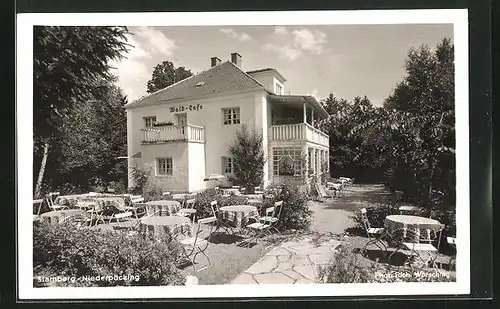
{"points": [[165, 227], [55, 217], [239, 214], [162, 207], [409, 223]]}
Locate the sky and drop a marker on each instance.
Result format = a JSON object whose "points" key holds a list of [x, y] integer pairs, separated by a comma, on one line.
{"points": [[346, 60]]}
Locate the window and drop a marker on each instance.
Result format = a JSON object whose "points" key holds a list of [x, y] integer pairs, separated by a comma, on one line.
{"points": [[287, 161], [164, 166], [227, 165], [231, 115], [279, 89], [148, 121]]}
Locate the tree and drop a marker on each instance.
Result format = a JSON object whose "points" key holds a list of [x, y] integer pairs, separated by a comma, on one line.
{"points": [[419, 126], [93, 135], [166, 74], [348, 125], [70, 64], [248, 158]]}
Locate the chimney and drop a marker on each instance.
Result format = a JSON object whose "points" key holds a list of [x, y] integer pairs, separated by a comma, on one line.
{"points": [[236, 59], [214, 61]]}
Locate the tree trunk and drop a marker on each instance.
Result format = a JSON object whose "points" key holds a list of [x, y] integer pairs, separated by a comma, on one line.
{"points": [[42, 170]]}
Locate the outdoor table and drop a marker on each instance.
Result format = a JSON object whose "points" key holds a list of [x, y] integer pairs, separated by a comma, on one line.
{"points": [[239, 214], [162, 207], [165, 227], [55, 217], [406, 222]]}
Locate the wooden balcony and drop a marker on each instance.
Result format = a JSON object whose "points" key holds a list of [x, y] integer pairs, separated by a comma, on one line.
{"points": [[298, 132], [165, 134]]}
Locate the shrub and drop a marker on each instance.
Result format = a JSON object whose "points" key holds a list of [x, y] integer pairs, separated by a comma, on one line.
{"points": [[248, 159], [296, 213], [344, 267], [64, 250]]}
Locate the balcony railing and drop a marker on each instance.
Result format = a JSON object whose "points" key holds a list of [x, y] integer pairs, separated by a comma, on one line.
{"points": [[172, 133], [298, 131]]}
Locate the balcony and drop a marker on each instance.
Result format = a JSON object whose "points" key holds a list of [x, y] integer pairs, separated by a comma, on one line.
{"points": [[298, 132], [173, 133]]}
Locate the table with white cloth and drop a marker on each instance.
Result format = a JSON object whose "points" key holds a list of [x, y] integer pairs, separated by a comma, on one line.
{"points": [[162, 208], [402, 226], [165, 227], [239, 215], [58, 216]]}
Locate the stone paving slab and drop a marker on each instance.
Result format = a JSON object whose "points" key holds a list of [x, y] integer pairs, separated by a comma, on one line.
{"points": [[293, 262]]}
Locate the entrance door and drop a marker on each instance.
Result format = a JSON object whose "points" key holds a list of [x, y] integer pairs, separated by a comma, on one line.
{"points": [[182, 121]]}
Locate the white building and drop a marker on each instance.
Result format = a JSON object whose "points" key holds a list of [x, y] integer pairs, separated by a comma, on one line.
{"points": [[206, 110]]}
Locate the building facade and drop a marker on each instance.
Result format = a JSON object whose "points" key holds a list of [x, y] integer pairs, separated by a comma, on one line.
{"points": [[181, 134]]}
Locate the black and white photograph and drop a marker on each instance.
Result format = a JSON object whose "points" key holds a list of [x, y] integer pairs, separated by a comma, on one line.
{"points": [[190, 155]]}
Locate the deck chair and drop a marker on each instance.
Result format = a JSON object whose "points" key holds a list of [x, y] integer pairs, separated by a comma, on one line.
{"points": [[323, 193], [197, 244], [423, 249], [49, 198], [188, 209], [271, 219], [336, 188], [375, 234]]}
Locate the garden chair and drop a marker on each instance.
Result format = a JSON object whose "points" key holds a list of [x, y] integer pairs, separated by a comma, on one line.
{"points": [[195, 245], [453, 242], [271, 219], [188, 209], [220, 222], [375, 234], [258, 190], [96, 212], [38, 205], [167, 195], [120, 211], [422, 249], [258, 229], [50, 202]]}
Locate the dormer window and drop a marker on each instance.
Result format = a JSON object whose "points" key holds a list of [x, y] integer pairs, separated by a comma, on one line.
{"points": [[279, 89]]}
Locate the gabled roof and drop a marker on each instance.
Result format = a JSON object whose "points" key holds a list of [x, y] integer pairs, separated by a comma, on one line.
{"points": [[223, 78]]}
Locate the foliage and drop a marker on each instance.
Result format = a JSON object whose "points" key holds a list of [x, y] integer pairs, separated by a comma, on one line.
{"points": [[412, 137], [163, 123], [248, 159], [72, 67], [64, 250], [295, 213], [69, 65], [166, 74], [93, 134], [344, 267]]}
